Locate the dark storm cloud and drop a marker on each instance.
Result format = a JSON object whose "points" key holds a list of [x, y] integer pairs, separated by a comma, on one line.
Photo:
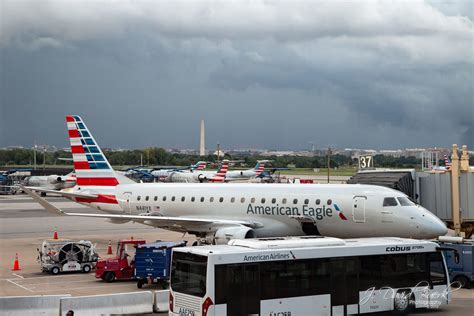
{"points": [[377, 74]]}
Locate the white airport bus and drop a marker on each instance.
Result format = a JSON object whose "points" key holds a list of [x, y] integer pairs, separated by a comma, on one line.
{"points": [[309, 275]]}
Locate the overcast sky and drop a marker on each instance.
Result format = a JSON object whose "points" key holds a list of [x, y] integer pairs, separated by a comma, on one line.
{"points": [[263, 74]]}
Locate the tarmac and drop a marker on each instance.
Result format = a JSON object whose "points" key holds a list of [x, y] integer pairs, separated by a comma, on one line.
{"points": [[24, 225]]}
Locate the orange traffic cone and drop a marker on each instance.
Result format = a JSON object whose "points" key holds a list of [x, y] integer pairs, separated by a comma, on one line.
{"points": [[109, 248], [16, 264], [55, 236]]}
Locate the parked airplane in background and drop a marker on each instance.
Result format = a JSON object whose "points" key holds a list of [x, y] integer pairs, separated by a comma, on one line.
{"points": [[163, 174], [199, 176], [247, 174], [216, 213], [51, 182]]}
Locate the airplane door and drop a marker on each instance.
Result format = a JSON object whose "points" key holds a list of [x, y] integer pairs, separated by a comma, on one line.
{"points": [[126, 200], [358, 209]]}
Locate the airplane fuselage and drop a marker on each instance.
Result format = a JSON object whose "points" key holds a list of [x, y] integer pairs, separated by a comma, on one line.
{"points": [[281, 209]]}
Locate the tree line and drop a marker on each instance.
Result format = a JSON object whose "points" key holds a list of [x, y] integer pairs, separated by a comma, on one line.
{"points": [[159, 156]]}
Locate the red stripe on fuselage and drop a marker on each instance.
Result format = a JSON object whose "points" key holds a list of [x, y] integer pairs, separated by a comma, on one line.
{"points": [[97, 181], [102, 198], [69, 118]]}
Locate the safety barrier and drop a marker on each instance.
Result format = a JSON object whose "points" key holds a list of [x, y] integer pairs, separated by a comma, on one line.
{"points": [[30, 305], [121, 303], [161, 302]]}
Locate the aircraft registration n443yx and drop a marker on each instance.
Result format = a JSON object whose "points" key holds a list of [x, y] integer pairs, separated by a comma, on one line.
{"points": [[218, 212]]}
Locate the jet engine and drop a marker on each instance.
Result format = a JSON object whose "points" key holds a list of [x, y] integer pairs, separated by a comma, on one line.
{"points": [[56, 179], [223, 235]]}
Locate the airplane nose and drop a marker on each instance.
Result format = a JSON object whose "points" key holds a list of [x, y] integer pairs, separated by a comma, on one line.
{"points": [[434, 226]]}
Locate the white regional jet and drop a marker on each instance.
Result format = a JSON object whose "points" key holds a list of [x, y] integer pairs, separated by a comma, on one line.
{"points": [[51, 182], [216, 213], [247, 174], [200, 175]]}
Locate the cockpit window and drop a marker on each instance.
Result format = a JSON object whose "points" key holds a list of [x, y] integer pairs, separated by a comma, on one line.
{"points": [[390, 201], [404, 201]]}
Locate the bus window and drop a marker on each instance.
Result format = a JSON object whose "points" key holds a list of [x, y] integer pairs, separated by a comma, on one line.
{"points": [[188, 274], [404, 201], [390, 201]]}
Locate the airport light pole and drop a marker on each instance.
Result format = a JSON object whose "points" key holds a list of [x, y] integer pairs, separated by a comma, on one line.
{"points": [[329, 162], [34, 157]]}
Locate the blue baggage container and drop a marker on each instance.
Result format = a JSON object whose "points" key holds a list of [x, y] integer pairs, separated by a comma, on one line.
{"points": [[152, 262]]}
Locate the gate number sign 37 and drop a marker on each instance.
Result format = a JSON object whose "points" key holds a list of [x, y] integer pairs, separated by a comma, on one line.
{"points": [[366, 162]]}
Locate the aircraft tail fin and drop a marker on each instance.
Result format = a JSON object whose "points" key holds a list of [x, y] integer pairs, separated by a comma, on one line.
{"points": [[220, 175], [447, 162], [90, 164], [200, 165], [260, 167]]}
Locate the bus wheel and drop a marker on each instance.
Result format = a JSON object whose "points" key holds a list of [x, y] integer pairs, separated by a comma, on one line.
{"points": [[403, 302], [463, 281]]}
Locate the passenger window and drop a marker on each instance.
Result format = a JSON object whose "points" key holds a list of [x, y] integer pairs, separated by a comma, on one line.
{"points": [[306, 201], [295, 201], [232, 200], [221, 199], [192, 199], [138, 198], [262, 200], [252, 200], [147, 198], [156, 198], [274, 201], [202, 198], [164, 198], [283, 201], [211, 199], [390, 201], [173, 198], [242, 200], [183, 198], [318, 201], [329, 202]]}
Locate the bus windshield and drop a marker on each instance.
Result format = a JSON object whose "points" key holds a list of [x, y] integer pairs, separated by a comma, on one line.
{"points": [[188, 274]]}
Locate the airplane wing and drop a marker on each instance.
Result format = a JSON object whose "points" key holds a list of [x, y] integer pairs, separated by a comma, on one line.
{"points": [[62, 193], [173, 223]]}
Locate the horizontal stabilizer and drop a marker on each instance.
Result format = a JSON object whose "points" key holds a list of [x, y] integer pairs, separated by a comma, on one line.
{"points": [[62, 193]]}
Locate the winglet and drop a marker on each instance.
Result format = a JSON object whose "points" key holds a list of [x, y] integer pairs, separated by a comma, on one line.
{"points": [[48, 206]]}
